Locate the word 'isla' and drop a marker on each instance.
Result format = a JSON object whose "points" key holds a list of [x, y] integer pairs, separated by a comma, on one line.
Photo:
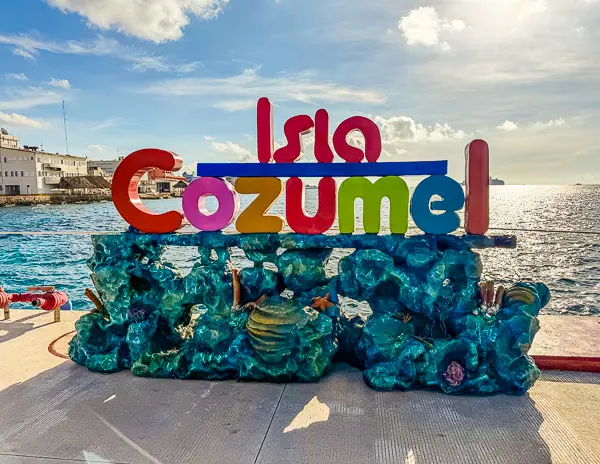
{"points": [[263, 179]]}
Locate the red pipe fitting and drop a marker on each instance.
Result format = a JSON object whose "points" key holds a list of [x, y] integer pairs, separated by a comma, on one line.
{"points": [[4, 298], [48, 301]]}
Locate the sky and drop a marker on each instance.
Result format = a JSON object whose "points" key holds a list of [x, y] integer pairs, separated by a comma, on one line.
{"points": [[185, 76]]}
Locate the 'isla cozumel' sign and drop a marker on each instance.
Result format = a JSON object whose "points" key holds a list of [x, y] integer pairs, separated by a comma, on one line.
{"points": [[263, 179]]}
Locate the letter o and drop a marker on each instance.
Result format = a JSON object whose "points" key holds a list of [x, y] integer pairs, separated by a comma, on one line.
{"points": [[194, 203]]}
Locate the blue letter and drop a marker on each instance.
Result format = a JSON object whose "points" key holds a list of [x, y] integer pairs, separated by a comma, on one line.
{"points": [[421, 206]]}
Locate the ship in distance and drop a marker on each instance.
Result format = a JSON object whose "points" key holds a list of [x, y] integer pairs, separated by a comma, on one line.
{"points": [[493, 181]]}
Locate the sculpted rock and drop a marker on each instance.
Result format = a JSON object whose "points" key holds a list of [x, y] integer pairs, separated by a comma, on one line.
{"points": [[432, 325]]}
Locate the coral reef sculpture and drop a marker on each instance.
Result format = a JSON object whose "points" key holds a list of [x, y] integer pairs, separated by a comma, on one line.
{"points": [[433, 324]]}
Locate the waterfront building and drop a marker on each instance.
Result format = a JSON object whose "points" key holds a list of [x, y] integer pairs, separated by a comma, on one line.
{"points": [[30, 171], [167, 182], [104, 168], [153, 182]]}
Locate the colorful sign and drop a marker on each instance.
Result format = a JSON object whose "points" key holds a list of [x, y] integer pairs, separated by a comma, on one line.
{"points": [[438, 216]]}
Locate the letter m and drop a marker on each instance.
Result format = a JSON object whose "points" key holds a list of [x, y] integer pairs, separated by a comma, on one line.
{"points": [[392, 187]]}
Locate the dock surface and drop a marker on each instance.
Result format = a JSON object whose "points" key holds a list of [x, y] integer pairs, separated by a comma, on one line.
{"points": [[54, 411]]}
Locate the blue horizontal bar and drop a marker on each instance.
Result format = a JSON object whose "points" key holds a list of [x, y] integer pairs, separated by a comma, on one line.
{"points": [[402, 168]]}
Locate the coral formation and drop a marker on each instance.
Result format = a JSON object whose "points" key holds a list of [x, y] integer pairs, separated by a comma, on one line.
{"points": [[433, 325]]}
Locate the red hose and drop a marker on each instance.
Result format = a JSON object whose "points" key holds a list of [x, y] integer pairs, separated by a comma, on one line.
{"points": [[568, 363]]}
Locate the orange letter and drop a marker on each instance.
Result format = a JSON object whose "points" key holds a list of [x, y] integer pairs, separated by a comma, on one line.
{"points": [[477, 186], [254, 220], [125, 191]]}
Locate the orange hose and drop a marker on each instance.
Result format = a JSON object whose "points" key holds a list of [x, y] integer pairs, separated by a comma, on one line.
{"points": [[56, 353]]}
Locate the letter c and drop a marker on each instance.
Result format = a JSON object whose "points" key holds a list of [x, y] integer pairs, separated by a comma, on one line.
{"points": [[125, 191]]}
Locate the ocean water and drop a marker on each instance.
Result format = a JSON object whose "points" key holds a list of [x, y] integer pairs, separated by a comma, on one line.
{"points": [[568, 262]]}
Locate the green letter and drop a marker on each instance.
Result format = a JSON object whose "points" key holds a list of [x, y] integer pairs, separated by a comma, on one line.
{"points": [[392, 187]]}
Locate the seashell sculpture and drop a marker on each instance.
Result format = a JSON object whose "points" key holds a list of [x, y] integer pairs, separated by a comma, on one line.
{"points": [[272, 328]]}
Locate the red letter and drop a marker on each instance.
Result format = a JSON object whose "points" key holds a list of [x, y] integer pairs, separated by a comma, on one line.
{"points": [[372, 140], [477, 182], [323, 151], [264, 135], [125, 191], [296, 214], [294, 129]]}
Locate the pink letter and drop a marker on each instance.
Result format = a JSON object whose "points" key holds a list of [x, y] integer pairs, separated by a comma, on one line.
{"points": [[295, 213], [194, 203], [323, 151], [294, 129], [477, 183], [264, 135], [372, 140]]}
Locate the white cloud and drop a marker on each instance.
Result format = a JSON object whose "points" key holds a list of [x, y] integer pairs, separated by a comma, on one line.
{"points": [[550, 123], [398, 129], [60, 83], [250, 86], [508, 126], [30, 98], [97, 147], [155, 20], [236, 105], [230, 148], [23, 121], [28, 55], [160, 64], [29, 47], [209, 137], [18, 77], [106, 124], [504, 42], [532, 8], [422, 26]]}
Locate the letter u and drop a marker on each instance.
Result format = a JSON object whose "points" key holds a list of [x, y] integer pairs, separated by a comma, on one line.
{"points": [[296, 215]]}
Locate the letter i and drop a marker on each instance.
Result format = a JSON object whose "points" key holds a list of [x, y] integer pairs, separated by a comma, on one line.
{"points": [[323, 152], [264, 134]]}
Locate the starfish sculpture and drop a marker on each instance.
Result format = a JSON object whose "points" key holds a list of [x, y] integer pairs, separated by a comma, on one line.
{"points": [[322, 304]]}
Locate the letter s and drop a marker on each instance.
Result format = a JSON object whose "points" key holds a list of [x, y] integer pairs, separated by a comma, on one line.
{"points": [[125, 191]]}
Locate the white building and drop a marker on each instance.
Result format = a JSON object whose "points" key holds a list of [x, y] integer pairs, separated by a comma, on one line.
{"points": [[107, 168], [8, 141], [26, 170]]}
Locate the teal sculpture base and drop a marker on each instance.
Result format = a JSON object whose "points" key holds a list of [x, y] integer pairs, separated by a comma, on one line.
{"points": [[285, 322]]}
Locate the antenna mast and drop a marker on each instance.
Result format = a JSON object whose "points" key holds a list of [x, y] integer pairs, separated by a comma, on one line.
{"points": [[64, 113]]}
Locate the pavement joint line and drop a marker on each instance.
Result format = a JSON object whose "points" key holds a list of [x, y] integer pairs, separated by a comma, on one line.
{"points": [[270, 423], [17, 455]]}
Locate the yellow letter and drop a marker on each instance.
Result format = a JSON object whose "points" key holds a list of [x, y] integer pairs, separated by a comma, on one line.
{"points": [[253, 219]]}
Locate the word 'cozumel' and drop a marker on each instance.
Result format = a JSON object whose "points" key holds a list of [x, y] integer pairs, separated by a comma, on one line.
{"points": [[264, 179]]}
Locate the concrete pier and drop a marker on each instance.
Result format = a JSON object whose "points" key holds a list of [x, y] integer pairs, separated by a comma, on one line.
{"points": [[52, 410]]}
